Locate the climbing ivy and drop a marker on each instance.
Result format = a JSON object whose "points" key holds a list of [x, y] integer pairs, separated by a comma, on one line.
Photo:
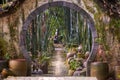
{"points": [[115, 28]]}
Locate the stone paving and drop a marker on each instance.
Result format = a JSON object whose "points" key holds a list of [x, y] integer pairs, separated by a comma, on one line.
{"points": [[57, 65], [51, 78]]}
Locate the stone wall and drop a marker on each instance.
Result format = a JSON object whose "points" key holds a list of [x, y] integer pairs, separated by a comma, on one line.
{"points": [[108, 29], [11, 25]]}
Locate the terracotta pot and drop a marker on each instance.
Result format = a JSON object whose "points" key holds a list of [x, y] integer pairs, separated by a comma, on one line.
{"points": [[18, 67], [3, 64], [100, 70], [117, 72]]}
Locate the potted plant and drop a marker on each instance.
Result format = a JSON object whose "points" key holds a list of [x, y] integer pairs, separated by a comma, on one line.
{"points": [[44, 62], [73, 65], [10, 60], [100, 68], [18, 66]]}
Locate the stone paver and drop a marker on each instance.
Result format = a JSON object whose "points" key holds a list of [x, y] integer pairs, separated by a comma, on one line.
{"points": [[57, 65], [51, 78]]}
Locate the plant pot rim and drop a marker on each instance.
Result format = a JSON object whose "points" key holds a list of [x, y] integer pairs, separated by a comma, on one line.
{"points": [[3, 60], [18, 60], [99, 62]]}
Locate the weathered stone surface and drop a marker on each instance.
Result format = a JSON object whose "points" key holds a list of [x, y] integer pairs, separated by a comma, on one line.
{"points": [[29, 11], [29, 6], [51, 78]]}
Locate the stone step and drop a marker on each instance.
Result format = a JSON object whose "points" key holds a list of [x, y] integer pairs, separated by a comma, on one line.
{"points": [[50, 78]]}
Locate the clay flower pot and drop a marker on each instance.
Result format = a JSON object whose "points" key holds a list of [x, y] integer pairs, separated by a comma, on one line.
{"points": [[100, 70], [18, 67]]}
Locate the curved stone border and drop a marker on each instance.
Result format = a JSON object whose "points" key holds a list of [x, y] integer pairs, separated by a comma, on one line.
{"points": [[45, 6]]}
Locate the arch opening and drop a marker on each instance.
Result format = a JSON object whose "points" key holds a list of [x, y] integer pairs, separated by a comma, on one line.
{"points": [[35, 15]]}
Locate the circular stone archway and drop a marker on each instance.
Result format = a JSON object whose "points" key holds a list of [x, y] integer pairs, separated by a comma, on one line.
{"points": [[42, 8]]}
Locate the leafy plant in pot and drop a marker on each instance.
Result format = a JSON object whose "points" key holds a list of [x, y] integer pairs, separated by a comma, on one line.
{"points": [[44, 62], [10, 60], [100, 68], [74, 64]]}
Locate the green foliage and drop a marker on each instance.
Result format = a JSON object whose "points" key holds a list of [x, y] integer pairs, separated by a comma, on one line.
{"points": [[70, 45], [5, 6], [13, 28], [3, 48], [75, 64], [70, 24], [50, 48], [89, 8], [55, 18], [115, 28], [115, 22], [44, 57]]}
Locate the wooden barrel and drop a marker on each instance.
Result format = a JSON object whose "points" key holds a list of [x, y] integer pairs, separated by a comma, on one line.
{"points": [[117, 72], [18, 67], [99, 70]]}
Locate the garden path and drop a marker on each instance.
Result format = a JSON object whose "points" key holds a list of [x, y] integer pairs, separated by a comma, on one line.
{"points": [[57, 64]]}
